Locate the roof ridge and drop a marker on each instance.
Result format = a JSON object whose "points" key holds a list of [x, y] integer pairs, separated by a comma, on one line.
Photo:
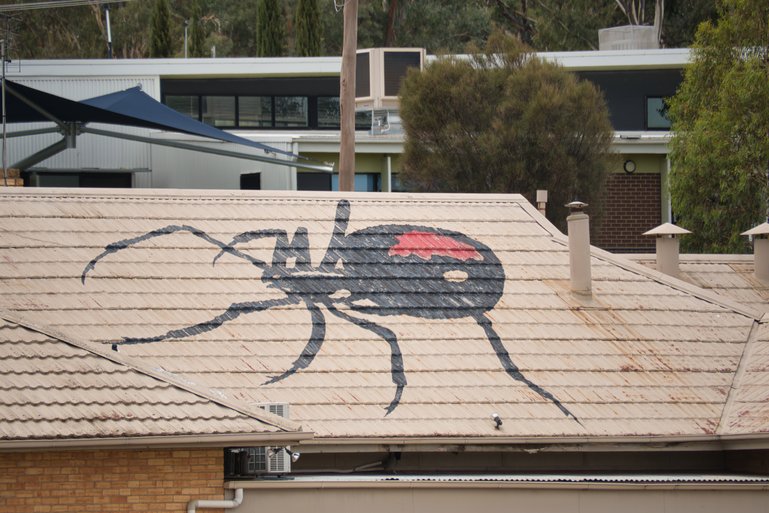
{"points": [[726, 411], [237, 194], [628, 264], [156, 373], [670, 281]]}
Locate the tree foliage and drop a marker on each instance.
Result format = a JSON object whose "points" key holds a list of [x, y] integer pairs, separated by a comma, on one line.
{"points": [[504, 121], [437, 25], [307, 27], [270, 35], [197, 34], [160, 43], [720, 114]]}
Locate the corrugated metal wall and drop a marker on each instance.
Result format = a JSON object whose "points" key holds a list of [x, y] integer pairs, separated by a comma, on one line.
{"points": [[92, 151]]}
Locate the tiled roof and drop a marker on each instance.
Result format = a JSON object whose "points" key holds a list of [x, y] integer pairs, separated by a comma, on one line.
{"points": [[437, 309], [52, 390]]}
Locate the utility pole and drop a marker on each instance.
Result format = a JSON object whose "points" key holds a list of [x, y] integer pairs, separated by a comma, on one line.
{"points": [[347, 98]]}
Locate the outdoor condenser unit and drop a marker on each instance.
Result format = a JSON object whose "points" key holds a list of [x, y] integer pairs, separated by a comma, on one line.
{"points": [[253, 461], [379, 73]]}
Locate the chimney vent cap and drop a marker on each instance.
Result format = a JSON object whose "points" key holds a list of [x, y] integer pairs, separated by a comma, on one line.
{"points": [[761, 229], [576, 206], [667, 229]]}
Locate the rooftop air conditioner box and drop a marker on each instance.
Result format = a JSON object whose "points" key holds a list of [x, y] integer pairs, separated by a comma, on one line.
{"points": [[379, 73], [628, 37]]}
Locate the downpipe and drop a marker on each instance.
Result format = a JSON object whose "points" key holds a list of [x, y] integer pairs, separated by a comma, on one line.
{"points": [[193, 505]]}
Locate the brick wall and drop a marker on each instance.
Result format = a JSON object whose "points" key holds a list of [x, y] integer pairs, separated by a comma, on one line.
{"points": [[632, 205], [12, 178], [109, 480]]}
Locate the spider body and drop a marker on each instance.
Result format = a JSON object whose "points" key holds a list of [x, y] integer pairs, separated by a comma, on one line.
{"points": [[383, 270]]}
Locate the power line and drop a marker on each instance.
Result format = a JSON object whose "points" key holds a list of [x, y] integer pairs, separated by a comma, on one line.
{"points": [[31, 6]]}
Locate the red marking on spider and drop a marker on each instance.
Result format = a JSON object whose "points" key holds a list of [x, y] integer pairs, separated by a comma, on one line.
{"points": [[426, 244]]}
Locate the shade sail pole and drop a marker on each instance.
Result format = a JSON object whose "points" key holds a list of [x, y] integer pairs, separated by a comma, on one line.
{"points": [[347, 98]]}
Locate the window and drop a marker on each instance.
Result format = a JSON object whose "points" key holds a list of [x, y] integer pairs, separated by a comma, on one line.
{"points": [[657, 114], [364, 182], [117, 180], [397, 184], [219, 110], [255, 111], [306, 181], [185, 104], [328, 112], [251, 181], [363, 120], [291, 111]]}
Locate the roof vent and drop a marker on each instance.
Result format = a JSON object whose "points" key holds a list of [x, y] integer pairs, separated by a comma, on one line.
{"points": [[667, 247], [760, 236], [579, 248]]}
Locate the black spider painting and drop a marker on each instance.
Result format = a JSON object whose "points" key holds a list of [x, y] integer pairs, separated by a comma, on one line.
{"points": [[386, 270]]}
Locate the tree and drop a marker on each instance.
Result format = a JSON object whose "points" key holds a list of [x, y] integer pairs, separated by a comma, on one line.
{"points": [[573, 25], [270, 34], [160, 43], [720, 115], [307, 28], [197, 31], [505, 121], [441, 25]]}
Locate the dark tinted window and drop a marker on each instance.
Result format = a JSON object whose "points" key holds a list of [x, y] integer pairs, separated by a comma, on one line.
{"points": [[251, 181], [313, 181]]}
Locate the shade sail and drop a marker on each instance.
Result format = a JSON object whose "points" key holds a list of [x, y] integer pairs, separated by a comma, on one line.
{"points": [[131, 107]]}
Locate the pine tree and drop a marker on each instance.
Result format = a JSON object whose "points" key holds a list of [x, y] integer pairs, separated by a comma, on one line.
{"points": [[270, 34], [160, 44], [307, 28]]}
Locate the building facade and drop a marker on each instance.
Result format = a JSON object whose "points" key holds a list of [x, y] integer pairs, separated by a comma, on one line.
{"points": [[292, 104]]}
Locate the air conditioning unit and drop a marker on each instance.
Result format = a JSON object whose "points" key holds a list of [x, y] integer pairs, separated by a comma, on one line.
{"points": [[278, 461], [254, 461], [379, 73]]}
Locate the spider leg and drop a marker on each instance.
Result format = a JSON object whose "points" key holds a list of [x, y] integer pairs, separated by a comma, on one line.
{"points": [[396, 358], [512, 369], [126, 243], [234, 310], [245, 237], [310, 351]]}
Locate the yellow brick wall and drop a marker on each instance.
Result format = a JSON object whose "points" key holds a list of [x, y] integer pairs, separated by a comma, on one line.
{"points": [[12, 178], [109, 480]]}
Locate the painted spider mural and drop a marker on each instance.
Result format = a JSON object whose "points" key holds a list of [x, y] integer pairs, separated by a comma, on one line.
{"points": [[385, 270]]}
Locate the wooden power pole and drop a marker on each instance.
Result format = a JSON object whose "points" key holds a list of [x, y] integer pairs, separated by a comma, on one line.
{"points": [[347, 98]]}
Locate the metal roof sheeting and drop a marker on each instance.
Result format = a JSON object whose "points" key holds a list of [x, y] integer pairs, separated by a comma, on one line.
{"points": [[645, 356], [729, 276]]}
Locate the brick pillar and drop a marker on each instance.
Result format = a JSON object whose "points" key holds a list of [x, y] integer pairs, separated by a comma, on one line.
{"points": [[12, 179]]}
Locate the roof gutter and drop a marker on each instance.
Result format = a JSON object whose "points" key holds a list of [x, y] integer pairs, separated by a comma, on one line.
{"points": [[146, 442], [540, 444]]}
